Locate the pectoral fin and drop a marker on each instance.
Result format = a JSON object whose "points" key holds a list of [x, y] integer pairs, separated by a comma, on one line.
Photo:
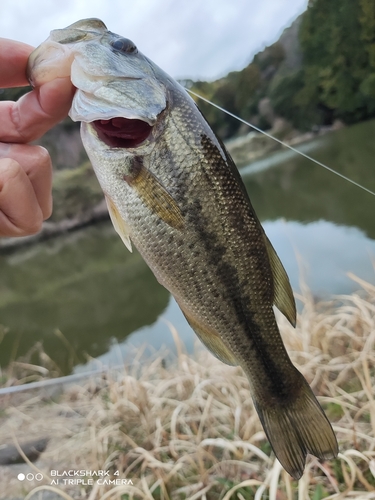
{"points": [[154, 194], [118, 223], [283, 294], [211, 340]]}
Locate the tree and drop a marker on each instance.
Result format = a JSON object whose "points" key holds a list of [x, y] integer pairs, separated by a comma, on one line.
{"points": [[337, 41]]}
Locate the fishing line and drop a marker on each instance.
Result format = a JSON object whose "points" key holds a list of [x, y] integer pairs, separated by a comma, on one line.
{"points": [[284, 144]]}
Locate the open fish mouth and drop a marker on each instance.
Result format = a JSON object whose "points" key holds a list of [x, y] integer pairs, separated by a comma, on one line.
{"points": [[122, 132]]}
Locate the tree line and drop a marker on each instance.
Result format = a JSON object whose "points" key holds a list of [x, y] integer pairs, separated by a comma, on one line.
{"points": [[335, 78]]}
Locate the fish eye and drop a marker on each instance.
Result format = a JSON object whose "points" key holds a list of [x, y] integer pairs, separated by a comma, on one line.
{"points": [[124, 45]]}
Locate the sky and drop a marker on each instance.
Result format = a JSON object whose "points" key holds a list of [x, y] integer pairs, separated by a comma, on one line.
{"points": [[198, 39]]}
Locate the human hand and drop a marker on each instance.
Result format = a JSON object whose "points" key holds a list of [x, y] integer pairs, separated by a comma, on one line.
{"points": [[26, 170]]}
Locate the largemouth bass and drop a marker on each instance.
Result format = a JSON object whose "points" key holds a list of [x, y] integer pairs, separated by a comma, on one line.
{"points": [[174, 192]]}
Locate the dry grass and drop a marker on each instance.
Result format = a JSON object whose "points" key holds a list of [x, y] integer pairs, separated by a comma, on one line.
{"points": [[188, 430]]}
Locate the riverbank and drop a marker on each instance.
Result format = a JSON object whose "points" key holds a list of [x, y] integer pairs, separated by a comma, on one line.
{"points": [[253, 146], [187, 429]]}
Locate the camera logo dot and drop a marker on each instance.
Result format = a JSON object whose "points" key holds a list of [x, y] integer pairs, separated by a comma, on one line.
{"points": [[30, 476]]}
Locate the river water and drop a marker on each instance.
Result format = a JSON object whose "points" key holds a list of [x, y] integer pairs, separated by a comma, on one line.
{"points": [[84, 296]]}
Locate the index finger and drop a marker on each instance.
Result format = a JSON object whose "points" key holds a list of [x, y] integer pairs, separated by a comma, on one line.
{"points": [[35, 112], [13, 61]]}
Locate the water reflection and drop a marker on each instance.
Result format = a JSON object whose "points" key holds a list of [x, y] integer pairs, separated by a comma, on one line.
{"points": [[87, 285], [294, 188], [97, 294]]}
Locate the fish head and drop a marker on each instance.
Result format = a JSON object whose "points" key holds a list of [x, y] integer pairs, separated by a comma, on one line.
{"points": [[122, 100], [119, 95]]}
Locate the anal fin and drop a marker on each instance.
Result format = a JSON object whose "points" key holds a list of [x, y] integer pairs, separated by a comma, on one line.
{"points": [[211, 340]]}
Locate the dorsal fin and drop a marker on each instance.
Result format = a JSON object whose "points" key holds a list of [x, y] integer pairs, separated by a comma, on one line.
{"points": [[283, 294]]}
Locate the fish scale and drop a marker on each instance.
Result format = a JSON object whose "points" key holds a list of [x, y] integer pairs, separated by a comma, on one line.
{"points": [[174, 192]]}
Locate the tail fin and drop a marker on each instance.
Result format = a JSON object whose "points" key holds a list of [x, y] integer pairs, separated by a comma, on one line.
{"points": [[296, 429]]}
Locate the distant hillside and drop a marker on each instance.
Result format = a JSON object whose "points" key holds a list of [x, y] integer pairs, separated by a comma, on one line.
{"points": [[247, 92], [321, 69]]}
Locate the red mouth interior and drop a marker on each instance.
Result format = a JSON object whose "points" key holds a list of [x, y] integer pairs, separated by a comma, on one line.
{"points": [[122, 132]]}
